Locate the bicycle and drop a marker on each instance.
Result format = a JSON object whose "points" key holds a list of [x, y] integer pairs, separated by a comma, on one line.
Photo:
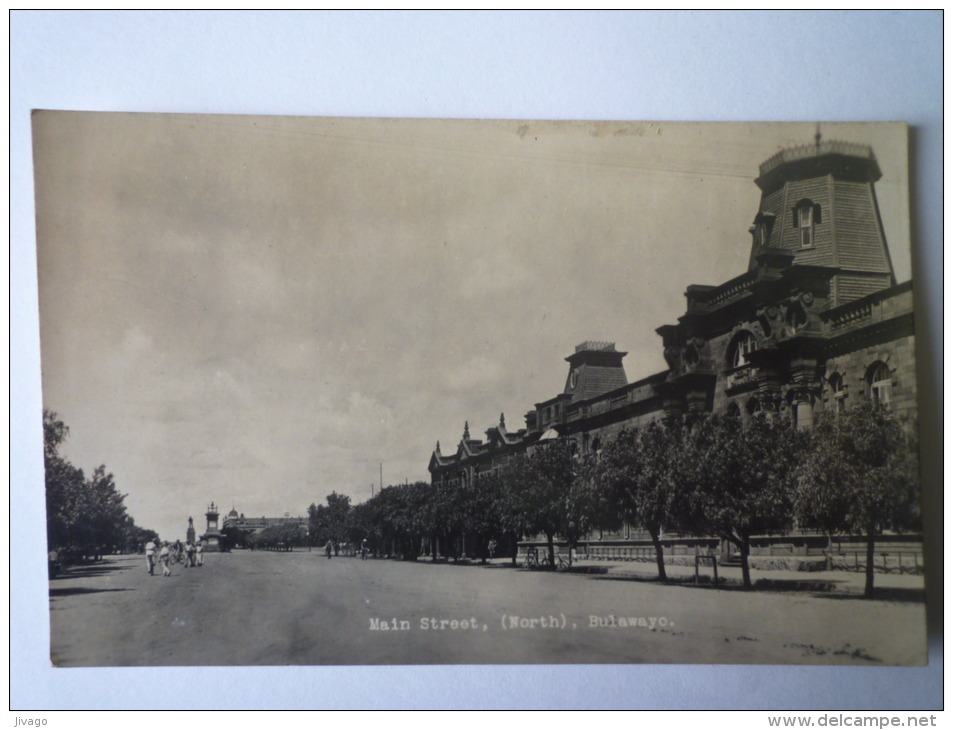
{"points": [[531, 561], [558, 563]]}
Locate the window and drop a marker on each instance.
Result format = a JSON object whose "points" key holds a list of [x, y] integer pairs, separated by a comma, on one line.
{"points": [[806, 216], [878, 383], [761, 230], [838, 390], [743, 346]]}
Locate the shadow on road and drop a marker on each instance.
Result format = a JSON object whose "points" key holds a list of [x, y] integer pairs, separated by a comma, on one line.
{"points": [[832, 589], [90, 571], [894, 595], [58, 592]]}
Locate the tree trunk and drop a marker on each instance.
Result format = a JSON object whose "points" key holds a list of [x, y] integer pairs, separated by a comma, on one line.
{"points": [[869, 582], [745, 570], [659, 559], [552, 550]]}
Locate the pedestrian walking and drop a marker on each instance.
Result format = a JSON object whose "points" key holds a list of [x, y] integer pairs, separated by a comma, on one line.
{"points": [[199, 555], [150, 557], [164, 558], [328, 549]]}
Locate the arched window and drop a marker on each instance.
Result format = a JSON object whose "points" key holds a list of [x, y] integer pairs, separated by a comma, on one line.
{"points": [[878, 383], [807, 214], [734, 411], [744, 345], [838, 392]]}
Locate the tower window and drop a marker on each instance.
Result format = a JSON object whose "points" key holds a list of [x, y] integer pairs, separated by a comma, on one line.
{"points": [[761, 230], [879, 384], [806, 216]]}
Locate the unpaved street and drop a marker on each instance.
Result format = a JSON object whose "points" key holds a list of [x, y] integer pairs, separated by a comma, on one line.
{"points": [[258, 608]]}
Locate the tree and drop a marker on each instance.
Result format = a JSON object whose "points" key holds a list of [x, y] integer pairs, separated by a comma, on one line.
{"points": [[546, 493], [478, 507], [740, 479], [860, 476], [106, 513], [330, 521], [87, 516], [637, 472]]}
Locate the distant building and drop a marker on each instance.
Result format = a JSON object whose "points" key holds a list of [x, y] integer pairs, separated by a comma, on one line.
{"points": [[817, 321], [247, 526]]}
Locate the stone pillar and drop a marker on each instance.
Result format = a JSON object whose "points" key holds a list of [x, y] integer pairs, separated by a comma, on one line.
{"points": [[673, 400], [803, 408], [697, 401], [806, 390]]}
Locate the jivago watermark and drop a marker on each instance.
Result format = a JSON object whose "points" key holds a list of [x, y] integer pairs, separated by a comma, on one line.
{"points": [[510, 622], [29, 721]]}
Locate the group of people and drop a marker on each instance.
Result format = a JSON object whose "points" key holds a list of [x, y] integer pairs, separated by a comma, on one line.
{"points": [[333, 548], [165, 554]]}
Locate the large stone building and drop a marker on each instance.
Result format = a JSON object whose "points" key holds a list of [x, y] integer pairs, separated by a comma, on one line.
{"points": [[237, 523], [817, 321]]}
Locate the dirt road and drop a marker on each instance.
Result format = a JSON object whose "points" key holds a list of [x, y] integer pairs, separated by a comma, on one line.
{"points": [[260, 608]]}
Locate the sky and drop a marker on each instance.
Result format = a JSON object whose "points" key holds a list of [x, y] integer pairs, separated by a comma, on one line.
{"points": [[258, 311]]}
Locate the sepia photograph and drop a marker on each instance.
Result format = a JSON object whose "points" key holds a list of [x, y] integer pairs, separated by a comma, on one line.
{"points": [[327, 391]]}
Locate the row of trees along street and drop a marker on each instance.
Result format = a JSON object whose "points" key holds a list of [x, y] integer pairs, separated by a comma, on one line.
{"points": [[85, 516], [853, 473]]}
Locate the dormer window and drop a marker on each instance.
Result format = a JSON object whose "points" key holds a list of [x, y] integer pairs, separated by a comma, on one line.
{"points": [[761, 230], [806, 215]]}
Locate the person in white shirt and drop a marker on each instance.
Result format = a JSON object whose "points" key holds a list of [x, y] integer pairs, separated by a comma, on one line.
{"points": [[150, 557], [164, 559]]}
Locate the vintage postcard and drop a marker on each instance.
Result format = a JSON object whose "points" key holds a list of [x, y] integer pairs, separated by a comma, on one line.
{"points": [[329, 391]]}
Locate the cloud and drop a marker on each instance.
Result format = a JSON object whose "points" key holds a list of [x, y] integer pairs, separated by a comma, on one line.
{"points": [[479, 372]]}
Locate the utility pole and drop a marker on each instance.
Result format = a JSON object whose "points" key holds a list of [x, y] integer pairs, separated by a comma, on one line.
{"points": [[382, 476]]}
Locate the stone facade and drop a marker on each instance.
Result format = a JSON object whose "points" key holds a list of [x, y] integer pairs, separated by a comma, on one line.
{"points": [[818, 321]]}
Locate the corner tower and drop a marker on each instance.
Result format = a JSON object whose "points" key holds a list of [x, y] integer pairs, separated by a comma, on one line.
{"points": [[818, 205], [594, 368]]}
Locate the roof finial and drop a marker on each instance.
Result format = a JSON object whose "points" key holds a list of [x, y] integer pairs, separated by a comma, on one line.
{"points": [[466, 430], [817, 135], [438, 447], [502, 422]]}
